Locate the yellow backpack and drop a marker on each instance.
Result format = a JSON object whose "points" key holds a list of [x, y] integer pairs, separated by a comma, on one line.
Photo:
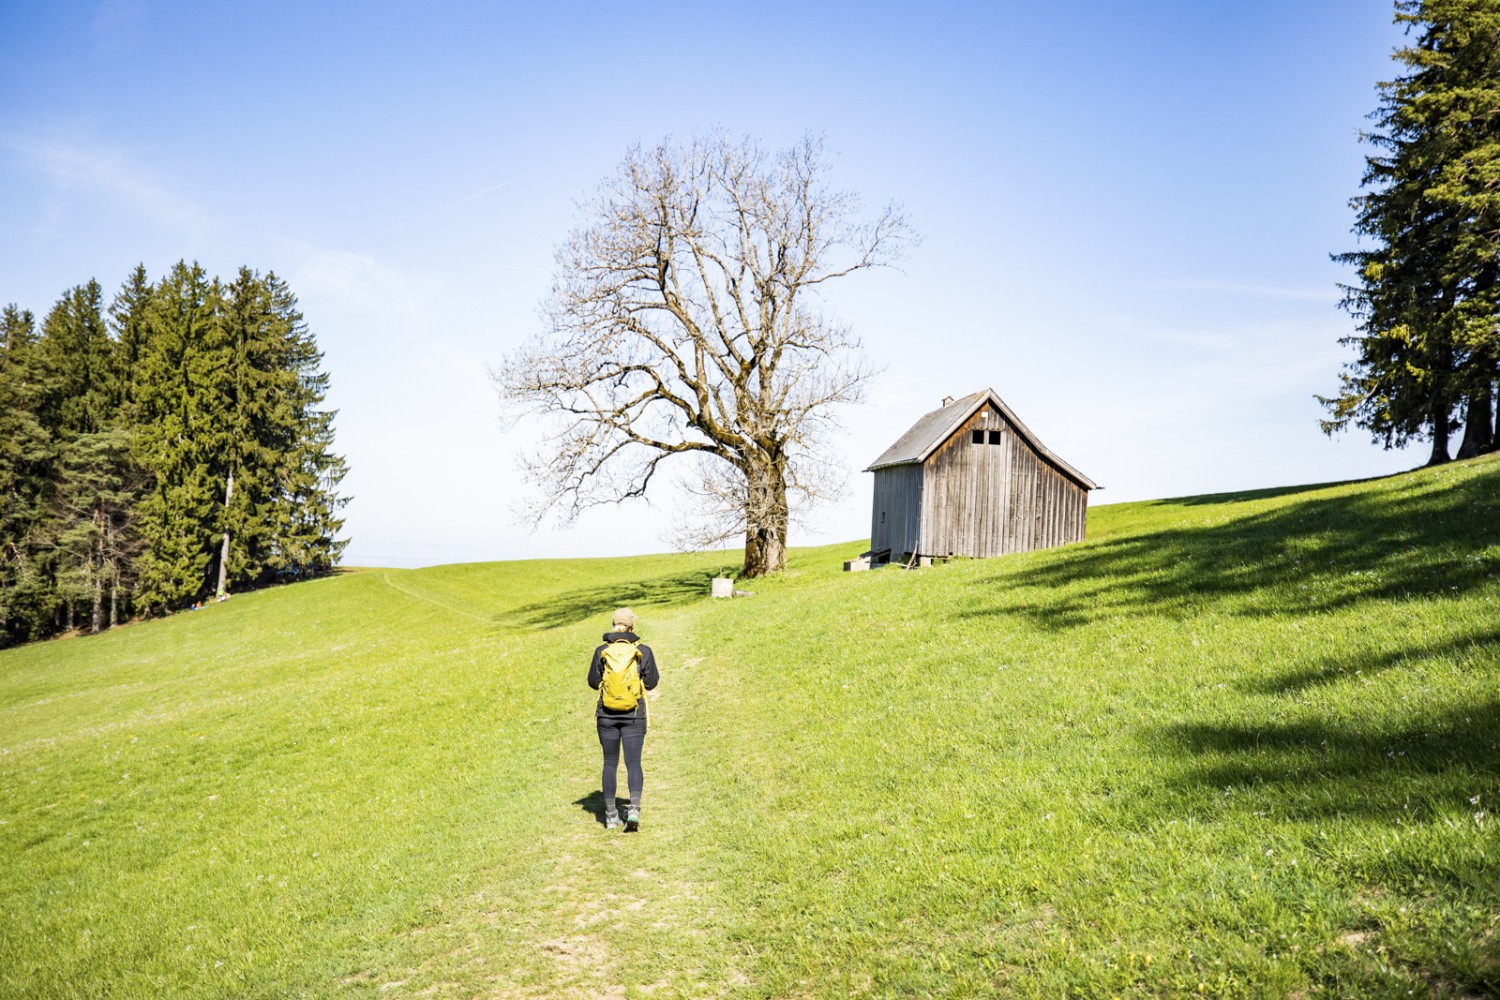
{"points": [[620, 679]]}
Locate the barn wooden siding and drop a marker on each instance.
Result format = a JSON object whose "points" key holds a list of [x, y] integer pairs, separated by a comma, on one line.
{"points": [[895, 516], [978, 500]]}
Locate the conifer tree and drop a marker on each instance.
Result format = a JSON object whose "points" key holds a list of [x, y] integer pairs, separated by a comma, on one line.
{"points": [[1428, 288], [274, 443], [22, 442], [98, 491], [75, 365], [256, 427], [128, 314], [176, 448], [180, 388], [306, 514], [25, 455], [71, 377]]}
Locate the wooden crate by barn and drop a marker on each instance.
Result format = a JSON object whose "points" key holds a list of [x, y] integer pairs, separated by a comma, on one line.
{"points": [[970, 479]]}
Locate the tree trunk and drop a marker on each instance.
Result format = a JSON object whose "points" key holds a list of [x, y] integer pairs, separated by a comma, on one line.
{"points": [[96, 613], [766, 521], [224, 550], [1440, 434], [1479, 424], [96, 616], [765, 552], [113, 565]]}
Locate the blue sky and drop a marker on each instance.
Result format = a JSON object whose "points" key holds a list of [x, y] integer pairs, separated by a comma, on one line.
{"points": [[1126, 213]]}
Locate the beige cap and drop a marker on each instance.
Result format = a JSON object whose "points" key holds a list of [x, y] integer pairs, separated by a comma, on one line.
{"points": [[625, 618]]}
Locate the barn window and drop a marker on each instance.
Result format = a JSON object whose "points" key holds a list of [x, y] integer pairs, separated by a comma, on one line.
{"points": [[994, 437], [978, 437]]}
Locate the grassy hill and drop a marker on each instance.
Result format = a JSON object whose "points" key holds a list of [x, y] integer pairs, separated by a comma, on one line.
{"points": [[1240, 745]]}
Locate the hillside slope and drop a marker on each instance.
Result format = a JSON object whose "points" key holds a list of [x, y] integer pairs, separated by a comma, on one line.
{"points": [[1238, 745]]}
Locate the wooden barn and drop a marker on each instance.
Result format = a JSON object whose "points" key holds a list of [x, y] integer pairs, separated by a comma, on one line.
{"points": [[969, 479]]}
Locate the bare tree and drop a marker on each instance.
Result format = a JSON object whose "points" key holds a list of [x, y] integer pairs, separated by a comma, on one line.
{"points": [[684, 321]]}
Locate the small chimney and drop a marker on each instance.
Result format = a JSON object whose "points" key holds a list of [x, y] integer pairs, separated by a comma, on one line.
{"points": [[947, 400]]}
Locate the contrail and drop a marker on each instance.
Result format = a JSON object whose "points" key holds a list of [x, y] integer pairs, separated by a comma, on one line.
{"points": [[467, 197]]}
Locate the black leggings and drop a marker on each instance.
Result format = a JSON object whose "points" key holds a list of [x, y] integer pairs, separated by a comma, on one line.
{"points": [[631, 732]]}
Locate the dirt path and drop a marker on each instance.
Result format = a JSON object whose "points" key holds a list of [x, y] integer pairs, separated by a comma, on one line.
{"points": [[591, 913]]}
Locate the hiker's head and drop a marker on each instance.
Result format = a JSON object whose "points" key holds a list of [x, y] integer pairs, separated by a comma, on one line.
{"points": [[624, 620]]}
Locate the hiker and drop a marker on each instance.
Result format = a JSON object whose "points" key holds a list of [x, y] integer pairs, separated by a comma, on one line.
{"points": [[622, 671]]}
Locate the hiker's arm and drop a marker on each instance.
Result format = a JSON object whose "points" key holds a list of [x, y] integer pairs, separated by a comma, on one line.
{"points": [[596, 670], [649, 676]]}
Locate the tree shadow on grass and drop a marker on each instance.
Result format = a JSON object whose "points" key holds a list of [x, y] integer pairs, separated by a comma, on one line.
{"points": [[1434, 773], [575, 606], [1424, 539], [1361, 662], [1281, 765], [1214, 499], [1318, 769]]}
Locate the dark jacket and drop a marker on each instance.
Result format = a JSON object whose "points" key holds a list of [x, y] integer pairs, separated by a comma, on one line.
{"points": [[647, 668]]}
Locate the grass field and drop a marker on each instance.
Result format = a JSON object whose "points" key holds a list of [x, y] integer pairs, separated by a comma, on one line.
{"points": [[1240, 745]]}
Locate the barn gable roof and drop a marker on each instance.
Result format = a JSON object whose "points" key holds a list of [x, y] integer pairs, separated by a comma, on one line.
{"points": [[929, 433]]}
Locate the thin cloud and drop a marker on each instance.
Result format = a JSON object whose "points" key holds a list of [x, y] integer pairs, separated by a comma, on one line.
{"points": [[338, 272], [1252, 291], [116, 25], [366, 292], [1300, 338], [72, 168]]}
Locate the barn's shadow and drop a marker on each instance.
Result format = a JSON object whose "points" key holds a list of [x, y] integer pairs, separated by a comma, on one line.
{"points": [[571, 607], [1426, 539]]}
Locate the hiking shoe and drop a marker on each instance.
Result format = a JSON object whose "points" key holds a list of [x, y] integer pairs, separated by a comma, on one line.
{"points": [[611, 821], [632, 821]]}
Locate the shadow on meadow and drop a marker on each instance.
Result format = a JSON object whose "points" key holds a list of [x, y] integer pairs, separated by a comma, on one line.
{"points": [[1358, 661], [1271, 493], [593, 804], [1440, 771], [1419, 539], [1313, 769], [574, 606]]}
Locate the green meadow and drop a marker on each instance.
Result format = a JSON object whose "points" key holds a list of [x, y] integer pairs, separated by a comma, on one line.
{"points": [[1238, 746]]}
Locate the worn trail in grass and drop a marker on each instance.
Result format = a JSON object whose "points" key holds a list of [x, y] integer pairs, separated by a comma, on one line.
{"points": [[1238, 746]]}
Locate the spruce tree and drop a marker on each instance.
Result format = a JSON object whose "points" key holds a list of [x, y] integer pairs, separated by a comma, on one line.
{"points": [[95, 508], [1427, 290], [180, 392], [174, 449], [72, 379], [307, 520], [25, 460], [255, 429], [129, 314], [76, 365]]}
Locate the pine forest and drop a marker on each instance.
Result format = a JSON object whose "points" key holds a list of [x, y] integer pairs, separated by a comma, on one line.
{"points": [[160, 450]]}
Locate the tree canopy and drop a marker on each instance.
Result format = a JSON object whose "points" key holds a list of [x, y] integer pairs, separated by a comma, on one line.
{"points": [[1428, 286], [160, 450], [686, 322]]}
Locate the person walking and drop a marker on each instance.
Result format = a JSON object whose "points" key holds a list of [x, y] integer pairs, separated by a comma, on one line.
{"points": [[622, 670]]}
